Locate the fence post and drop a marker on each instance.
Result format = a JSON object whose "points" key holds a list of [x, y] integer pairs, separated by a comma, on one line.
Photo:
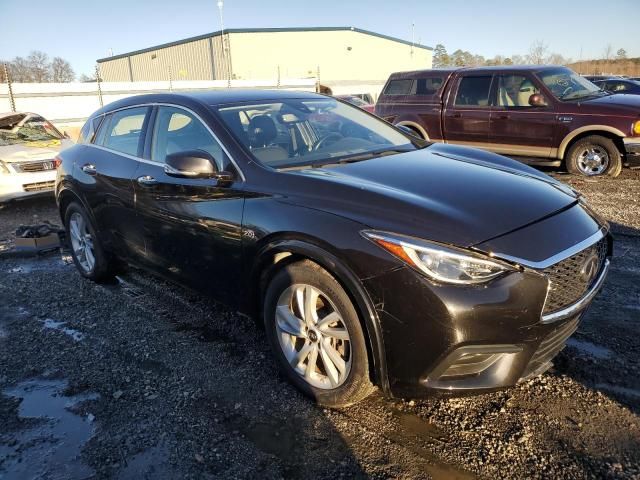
{"points": [[99, 80], [318, 77], [12, 99], [278, 84]]}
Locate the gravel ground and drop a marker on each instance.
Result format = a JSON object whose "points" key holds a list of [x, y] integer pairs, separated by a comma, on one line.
{"points": [[142, 379]]}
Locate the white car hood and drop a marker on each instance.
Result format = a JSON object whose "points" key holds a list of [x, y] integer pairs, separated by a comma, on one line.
{"points": [[30, 151]]}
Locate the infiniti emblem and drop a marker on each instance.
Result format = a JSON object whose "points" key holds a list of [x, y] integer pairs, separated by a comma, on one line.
{"points": [[589, 269]]}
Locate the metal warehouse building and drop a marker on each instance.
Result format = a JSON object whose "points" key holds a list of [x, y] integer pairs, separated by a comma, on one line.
{"points": [[338, 53]]}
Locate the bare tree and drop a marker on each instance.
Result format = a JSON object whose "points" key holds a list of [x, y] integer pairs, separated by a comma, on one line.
{"points": [[557, 59], [61, 70], [537, 52], [87, 78], [518, 59], [20, 70], [39, 65], [607, 53]]}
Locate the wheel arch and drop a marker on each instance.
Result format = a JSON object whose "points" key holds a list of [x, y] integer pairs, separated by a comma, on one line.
{"points": [[415, 126], [588, 130], [283, 249]]}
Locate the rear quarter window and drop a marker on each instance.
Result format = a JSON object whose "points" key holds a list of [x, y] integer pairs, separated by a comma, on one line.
{"points": [[399, 87]]}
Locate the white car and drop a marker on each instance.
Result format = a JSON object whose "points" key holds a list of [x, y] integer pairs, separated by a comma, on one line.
{"points": [[28, 147]]}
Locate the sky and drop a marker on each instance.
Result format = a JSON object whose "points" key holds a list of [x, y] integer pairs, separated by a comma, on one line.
{"points": [[82, 31]]}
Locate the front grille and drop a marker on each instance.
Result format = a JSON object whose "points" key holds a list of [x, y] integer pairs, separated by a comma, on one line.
{"points": [[566, 278], [34, 166], [39, 186], [550, 347]]}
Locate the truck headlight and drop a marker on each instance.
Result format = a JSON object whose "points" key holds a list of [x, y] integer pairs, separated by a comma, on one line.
{"points": [[635, 128], [439, 262]]}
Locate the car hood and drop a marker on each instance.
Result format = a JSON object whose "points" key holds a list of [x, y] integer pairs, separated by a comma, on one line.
{"points": [[30, 151], [623, 102], [443, 193]]}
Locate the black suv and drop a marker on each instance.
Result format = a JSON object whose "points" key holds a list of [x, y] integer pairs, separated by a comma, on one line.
{"points": [[372, 257]]}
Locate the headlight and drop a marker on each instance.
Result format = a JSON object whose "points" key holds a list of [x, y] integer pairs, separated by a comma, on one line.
{"points": [[438, 262], [3, 168], [635, 128]]}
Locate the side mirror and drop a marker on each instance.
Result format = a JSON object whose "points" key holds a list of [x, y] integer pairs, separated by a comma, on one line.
{"points": [[537, 100], [194, 164], [408, 131]]}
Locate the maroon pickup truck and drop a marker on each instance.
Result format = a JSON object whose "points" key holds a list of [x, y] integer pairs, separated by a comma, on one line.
{"points": [[542, 115]]}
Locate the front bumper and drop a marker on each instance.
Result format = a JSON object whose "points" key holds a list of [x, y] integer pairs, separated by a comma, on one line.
{"points": [[19, 185], [632, 150], [456, 339]]}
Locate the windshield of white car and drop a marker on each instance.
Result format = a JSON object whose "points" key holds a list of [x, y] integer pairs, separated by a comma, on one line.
{"points": [[565, 84], [34, 129], [301, 132]]}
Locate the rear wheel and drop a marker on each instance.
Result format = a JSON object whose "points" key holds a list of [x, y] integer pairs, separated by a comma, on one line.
{"points": [[86, 249], [316, 336], [594, 155]]}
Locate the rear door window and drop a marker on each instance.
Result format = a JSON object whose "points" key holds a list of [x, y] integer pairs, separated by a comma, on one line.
{"points": [[473, 91], [125, 130], [427, 86], [399, 87]]}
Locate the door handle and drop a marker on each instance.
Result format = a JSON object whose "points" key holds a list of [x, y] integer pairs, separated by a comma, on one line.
{"points": [[89, 169], [457, 115], [504, 117], [146, 180]]}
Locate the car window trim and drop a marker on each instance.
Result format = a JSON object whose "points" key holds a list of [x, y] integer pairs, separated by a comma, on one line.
{"points": [[490, 101], [167, 104], [141, 139]]}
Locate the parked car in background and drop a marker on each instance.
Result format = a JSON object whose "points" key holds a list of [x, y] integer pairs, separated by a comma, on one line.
{"points": [[593, 78], [372, 257], [28, 147], [542, 115], [358, 102], [619, 85]]}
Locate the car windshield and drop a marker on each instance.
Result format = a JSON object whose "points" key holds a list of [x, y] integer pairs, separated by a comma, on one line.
{"points": [[301, 132], [15, 130], [565, 84]]}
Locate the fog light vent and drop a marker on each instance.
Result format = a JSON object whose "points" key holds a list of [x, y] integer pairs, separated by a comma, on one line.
{"points": [[471, 364]]}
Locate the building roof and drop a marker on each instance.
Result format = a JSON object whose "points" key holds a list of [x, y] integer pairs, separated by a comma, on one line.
{"points": [[260, 30]]}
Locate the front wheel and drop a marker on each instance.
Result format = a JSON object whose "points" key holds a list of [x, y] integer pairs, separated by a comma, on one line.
{"points": [[594, 155], [315, 333]]}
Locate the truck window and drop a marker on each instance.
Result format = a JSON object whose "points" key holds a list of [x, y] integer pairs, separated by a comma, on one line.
{"points": [[473, 91], [428, 86], [399, 87], [515, 90]]}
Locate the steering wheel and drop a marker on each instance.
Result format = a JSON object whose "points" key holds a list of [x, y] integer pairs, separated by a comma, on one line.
{"points": [[333, 135], [566, 91]]}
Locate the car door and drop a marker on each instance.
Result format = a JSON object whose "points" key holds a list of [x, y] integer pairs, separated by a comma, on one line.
{"points": [[467, 116], [518, 128], [191, 227], [105, 175]]}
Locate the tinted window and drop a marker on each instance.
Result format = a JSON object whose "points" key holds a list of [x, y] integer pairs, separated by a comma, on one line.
{"points": [[515, 90], [474, 91], [428, 86], [102, 130], [89, 129], [399, 87], [617, 86], [125, 130], [177, 130]]}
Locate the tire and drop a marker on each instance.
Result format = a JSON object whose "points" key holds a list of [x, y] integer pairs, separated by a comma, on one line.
{"points": [[594, 155], [331, 382], [91, 262]]}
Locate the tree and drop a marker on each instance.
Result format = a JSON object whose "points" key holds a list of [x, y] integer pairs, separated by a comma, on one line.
{"points": [[518, 59], [87, 78], [20, 70], [607, 53], [557, 59], [537, 52], [621, 54], [440, 57], [61, 70], [38, 63]]}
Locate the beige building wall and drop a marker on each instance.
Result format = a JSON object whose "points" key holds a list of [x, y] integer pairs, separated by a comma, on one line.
{"points": [[340, 55]]}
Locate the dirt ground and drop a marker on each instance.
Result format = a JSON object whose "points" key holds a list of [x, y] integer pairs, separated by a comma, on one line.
{"points": [[142, 379]]}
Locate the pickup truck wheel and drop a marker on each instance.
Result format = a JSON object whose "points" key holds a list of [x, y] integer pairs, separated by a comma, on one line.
{"points": [[594, 155], [316, 335], [86, 249]]}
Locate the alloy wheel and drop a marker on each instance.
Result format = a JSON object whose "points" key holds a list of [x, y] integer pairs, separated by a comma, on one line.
{"points": [[593, 160], [82, 242], [313, 336]]}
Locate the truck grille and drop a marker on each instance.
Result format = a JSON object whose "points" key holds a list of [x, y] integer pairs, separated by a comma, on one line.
{"points": [[39, 186], [567, 282], [42, 166]]}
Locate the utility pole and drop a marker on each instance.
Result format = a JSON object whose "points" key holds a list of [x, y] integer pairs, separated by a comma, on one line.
{"points": [[225, 47]]}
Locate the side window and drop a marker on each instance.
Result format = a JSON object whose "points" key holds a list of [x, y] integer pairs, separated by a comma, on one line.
{"points": [[473, 92], [177, 130], [399, 87], [89, 129], [428, 86], [514, 91], [102, 130], [125, 130], [617, 87]]}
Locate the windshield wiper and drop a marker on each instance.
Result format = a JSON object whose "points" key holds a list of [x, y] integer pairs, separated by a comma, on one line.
{"points": [[361, 156]]}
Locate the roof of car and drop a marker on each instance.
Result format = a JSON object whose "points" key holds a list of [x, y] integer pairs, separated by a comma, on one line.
{"points": [[493, 68], [211, 97]]}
